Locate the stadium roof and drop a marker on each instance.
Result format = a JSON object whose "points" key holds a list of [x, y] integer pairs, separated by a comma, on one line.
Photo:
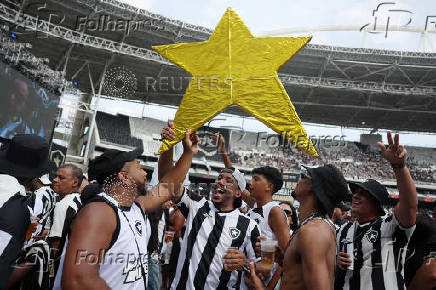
{"points": [[352, 87]]}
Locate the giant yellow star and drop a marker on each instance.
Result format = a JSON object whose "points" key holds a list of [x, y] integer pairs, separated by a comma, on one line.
{"points": [[235, 68]]}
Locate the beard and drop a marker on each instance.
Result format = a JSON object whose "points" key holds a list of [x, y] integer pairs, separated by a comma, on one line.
{"points": [[218, 204]]}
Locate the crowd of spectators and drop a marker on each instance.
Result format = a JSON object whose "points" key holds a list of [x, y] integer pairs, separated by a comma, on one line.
{"points": [[19, 65], [355, 160]]}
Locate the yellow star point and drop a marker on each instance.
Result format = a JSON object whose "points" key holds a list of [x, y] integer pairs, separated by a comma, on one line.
{"points": [[235, 68]]}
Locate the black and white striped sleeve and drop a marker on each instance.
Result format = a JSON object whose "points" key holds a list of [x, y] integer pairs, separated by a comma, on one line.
{"points": [[391, 225], [190, 203]]}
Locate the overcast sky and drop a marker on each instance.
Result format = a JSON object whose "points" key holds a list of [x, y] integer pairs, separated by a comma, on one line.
{"points": [[263, 16]]}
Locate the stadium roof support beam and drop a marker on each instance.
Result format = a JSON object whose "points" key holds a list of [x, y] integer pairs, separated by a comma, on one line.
{"points": [[94, 114], [406, 76], [421, 80], [428, 81], [364, 107], [143, 12], [85, 63], [356, 85], [123, 38], [370, 73], [324, 66], [388, 73], [369, 55], [122, 10], [65, 57], [380, 107], [35, 24], [202, 33], [286, 31], [339, 69]]}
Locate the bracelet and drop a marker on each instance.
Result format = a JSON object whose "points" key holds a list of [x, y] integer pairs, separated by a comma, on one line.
{"points": [[398, 166]]}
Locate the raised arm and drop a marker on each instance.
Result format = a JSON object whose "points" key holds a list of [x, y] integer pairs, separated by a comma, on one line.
{"points": [[407, 206], [80, 271], [221, 146], [169, 186], [315, 246], [279, 224], [166, 159]]}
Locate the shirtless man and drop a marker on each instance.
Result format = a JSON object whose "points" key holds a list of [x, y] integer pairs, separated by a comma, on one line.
{"points": [[309, 259]]}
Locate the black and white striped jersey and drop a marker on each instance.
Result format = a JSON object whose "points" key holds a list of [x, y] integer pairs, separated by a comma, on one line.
{"points": [[209, 233], [379, 249], [261, 216], [45, 200], [64, 213]]}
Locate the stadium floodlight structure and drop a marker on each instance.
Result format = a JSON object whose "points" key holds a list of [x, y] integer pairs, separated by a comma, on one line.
{"points": [[113, 7], [374, 87], [425, 33], [38, 25], [343, 53], [356, 85]]}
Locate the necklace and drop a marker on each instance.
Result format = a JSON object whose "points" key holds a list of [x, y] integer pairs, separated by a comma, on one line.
{"points": [[308, 219]]}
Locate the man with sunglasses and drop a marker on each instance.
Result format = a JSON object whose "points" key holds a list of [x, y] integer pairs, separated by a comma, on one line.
{"points": [[372, 249], [310, 256], [217, 233]]}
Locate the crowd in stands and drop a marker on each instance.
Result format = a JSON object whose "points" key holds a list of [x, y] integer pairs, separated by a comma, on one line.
{"points": [[38, 77], [355, 161]]}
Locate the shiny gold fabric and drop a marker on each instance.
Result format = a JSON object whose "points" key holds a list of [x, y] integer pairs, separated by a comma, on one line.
{"points": [[235, 68]]}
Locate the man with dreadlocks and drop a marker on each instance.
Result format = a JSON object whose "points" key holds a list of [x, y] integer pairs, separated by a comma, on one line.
{"points": [[107, 247]]}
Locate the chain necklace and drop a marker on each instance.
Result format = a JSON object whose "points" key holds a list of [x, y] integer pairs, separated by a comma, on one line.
{"points": [[305, 221]]}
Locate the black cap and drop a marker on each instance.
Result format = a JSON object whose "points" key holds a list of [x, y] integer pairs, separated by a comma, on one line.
{"points": [[110, 162], [25, 156], [329, 185], [374, 188]]}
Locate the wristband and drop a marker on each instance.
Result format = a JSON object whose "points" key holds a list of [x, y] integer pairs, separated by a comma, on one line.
{"points": [[398, 166]]}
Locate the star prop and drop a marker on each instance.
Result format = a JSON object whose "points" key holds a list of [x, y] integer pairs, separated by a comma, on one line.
{"points": [[235, 68]]}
